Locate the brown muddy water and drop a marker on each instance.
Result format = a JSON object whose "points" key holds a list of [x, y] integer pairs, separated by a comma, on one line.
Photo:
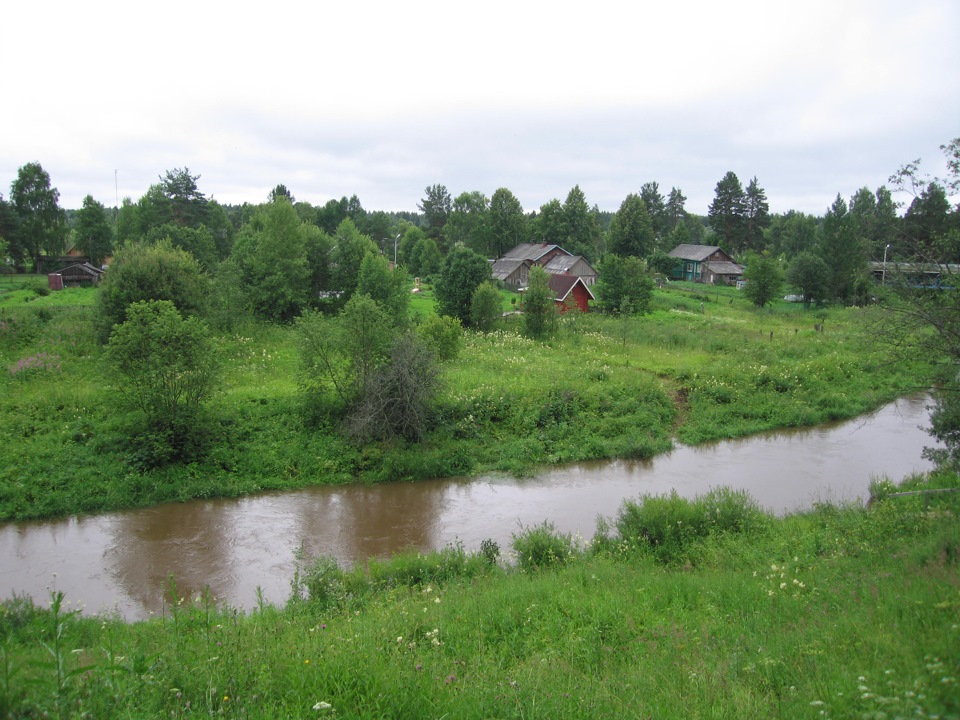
{"points": [[120, 562]]}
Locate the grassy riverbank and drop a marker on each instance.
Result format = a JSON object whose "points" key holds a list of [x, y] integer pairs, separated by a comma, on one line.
{"points": [[678, 609], [700, 367]]}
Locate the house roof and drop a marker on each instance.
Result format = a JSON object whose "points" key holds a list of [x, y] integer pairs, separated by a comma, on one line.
{"points": [[531, 251], [505, 267], [563, 263], [693, 252], [563, 285], [725, 268]]}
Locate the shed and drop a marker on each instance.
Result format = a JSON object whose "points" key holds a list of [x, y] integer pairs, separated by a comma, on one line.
{"points": [[74, 276], [513, 273], [570, 288]]}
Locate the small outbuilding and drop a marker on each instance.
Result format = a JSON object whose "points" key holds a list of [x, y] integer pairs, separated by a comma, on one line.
{"points": [[75, 275], [570, 290]]}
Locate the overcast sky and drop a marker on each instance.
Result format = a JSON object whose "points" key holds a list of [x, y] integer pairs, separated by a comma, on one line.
{"points": [[382, 99]]}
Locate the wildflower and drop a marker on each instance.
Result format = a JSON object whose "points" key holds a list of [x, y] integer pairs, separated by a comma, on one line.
{"points": [[451, 678], [322, 706]]}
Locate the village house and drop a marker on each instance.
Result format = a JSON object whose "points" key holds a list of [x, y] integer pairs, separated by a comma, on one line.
{"points": [[706, 264], [513, 267]]}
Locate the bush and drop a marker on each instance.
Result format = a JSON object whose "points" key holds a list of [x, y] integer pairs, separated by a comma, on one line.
{"points": [[666, 525], [319, 580], [541, 547], [442, 334]]}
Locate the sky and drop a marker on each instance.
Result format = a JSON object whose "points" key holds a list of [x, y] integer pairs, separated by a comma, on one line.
{"points": [[382, 99]]}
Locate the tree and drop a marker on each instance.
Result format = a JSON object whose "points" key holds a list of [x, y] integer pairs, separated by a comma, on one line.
{"points": [[469, 222], [727, 213], [485, 307], [128, 222], [399, 398], [9, 231], [581, 231], [166, 366], [350, 247], [41, 221], [756, 216], [281, 191], [624, 285], [143, 272], [539, 305], [508, 224], [675, 210], [631, 230], [436, 207], [549, 225], [196, 241], [188, 206], [463, 271], [94, 236], [809, 274], [427, 258], [271, 251], [387, 286], [791, 234], [764, 279], [843, 249], [656, 208]]}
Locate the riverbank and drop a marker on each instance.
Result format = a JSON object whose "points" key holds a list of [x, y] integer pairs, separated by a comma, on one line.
{"points": [[836, 612], [601, 388]]}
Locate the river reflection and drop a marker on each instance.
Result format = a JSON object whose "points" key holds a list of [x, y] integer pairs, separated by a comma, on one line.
{"points": [[121, 561]]}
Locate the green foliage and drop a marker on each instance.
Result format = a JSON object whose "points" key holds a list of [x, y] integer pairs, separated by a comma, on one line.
{"points": [[631, 230], [624, 285], [508, 224], [810, 275], [442, 334], [142, 272], [727, 213], [542, 546], [41, 223], [485, 307], [463, 272], [764, 280], [271, 252], [667, 526], [539, 308], [386, 286], [166, 366], [93, 233], [346, 256]]}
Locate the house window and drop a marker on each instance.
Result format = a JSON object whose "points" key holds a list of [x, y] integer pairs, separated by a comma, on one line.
{"points": [[689, 267]]}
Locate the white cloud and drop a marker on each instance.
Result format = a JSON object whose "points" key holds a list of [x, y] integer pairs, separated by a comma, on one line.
{"points": [[382, 99]]}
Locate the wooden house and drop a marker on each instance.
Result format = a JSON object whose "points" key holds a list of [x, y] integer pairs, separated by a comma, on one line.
{"points": [[513, 273], [570, 290], [706, 264], [572, 265]]}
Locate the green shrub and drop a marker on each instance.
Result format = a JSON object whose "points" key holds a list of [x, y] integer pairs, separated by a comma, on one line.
{"points": [[319, 580], [541, 546]]}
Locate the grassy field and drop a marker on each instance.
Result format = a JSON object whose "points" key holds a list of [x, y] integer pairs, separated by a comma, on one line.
{"points": [[838, 612], [703, 365]]}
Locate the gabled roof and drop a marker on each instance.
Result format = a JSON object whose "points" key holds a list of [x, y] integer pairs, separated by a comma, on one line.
{"points": [[563, 285], [697, 253], [531, 251], [505, 267], [725, 268], [563, 263]]}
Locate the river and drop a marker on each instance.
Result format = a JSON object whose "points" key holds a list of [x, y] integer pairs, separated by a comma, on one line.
{"points": [[120, 562]]}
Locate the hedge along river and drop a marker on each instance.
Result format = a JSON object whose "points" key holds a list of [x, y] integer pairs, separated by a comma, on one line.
{"points": [[121, 562]]}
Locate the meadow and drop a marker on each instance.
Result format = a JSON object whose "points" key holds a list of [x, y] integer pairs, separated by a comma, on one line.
{"points": [[703, 365]]}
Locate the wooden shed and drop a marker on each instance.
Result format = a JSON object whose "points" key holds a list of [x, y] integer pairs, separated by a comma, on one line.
{"points": [[571, 288]]}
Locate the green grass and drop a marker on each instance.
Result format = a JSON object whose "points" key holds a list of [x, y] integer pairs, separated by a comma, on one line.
{"points": [[833, 613], [601, 387]]}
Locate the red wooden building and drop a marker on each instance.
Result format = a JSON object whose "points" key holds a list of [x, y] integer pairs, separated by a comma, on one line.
{"points": [[570, 289]]}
